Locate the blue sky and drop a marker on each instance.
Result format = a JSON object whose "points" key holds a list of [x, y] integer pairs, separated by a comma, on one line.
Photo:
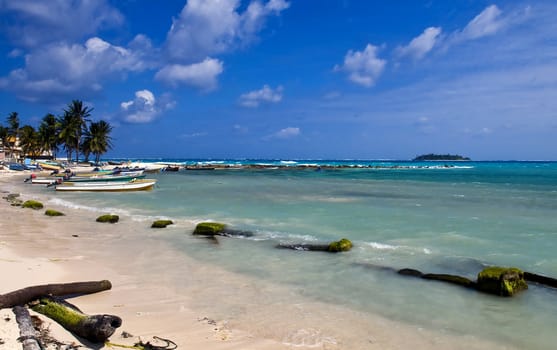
{"points": [[291, 78]]}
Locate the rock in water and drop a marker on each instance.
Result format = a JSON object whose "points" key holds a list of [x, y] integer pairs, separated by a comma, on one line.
{"points": [[502, 281], [209, 228], [161, 223], [343, 245], [108, 218]]}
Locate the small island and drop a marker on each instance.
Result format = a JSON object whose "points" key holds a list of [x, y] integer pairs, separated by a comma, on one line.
{"points": [[440, 157]]}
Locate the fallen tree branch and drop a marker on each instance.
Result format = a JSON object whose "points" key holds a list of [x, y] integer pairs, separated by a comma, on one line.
{"points": [[25, 295], [95, 328], [28, 334]]}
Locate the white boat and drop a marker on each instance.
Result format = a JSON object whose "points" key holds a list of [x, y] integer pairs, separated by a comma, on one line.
{"points": [[149, 167], [108, 186], [43, 180]]}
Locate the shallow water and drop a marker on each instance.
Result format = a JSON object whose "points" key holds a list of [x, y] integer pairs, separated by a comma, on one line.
{"points": [[452, 220]]}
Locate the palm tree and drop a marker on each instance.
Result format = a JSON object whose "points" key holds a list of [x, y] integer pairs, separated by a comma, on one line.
{"points": [[29, 141], [97, 139], [79, 115], [66, 134], [13, 132], [48, 134], [3, 136]]}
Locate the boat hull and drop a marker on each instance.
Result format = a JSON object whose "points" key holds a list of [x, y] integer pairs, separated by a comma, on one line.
{"points": [[109, 186]]}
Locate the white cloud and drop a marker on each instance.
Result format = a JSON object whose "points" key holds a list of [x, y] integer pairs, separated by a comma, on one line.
{"points": [[144, 108], [31, 23], [201, 75], [420, 45], [263, 95], [286, 133], [210, 27], [363, 67], [488, 22], [62, 69]]}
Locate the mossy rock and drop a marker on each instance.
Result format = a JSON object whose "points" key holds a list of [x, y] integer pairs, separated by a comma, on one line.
{"points": [[161, 223], [32, 204], [209, 229], [502, 281], [343, 245], [52, 212], [108, 218]]}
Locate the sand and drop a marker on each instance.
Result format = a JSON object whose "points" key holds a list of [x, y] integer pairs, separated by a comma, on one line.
{"points": [[198, 307]]}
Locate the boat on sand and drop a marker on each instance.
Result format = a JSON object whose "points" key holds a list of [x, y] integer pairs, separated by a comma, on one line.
{"points": [[108, 186]]}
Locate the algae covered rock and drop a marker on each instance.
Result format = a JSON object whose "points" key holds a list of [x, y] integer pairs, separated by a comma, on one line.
{"points": [[343, 245], [161, 223], [32, 204], [209, 228], [110, 218], [52, 212], [502, 281]]}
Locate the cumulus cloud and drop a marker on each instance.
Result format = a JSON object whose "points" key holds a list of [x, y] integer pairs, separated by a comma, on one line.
{"points": [[31, 23], [209, 27], [144, 108], [420, 45], [62, 69], [263, 95], [201, 75], [363, 67]]}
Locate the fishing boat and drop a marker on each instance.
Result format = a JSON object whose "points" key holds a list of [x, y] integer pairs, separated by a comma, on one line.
{"points": [[108, 186], [104, 178], [43, 180], [50, 166]]}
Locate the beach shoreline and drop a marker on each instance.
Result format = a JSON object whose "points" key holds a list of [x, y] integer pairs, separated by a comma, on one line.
{"points": [[152, 301]]}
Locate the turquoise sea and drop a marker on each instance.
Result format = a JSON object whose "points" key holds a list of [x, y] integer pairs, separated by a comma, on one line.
{"points": [[437, 217]]}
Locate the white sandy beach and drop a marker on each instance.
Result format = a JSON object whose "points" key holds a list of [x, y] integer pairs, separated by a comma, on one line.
{"points": [[196, 306]]}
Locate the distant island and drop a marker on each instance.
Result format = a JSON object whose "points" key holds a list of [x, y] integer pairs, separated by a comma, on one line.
{"points": [[440, 157]]}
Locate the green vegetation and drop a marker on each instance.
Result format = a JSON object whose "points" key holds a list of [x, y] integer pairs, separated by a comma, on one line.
{"points": [[503, 281], [343, 245], [32, 204], [74, 131], [161, 223], [52, 212], [209, 228], [59, 313], [110, 218], [440, 157]]}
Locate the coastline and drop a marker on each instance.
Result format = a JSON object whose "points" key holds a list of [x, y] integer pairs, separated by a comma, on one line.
{"points": [[151, 301]]}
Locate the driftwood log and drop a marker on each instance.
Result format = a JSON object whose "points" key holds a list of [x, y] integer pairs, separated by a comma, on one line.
{"points": [[28, 334], [25, 295], [95, 328], [533, 277]]}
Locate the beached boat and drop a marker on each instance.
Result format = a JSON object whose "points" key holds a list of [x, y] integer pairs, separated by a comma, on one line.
{"points": [[43, 180], [104, 178], [108, 186], [50, 166]]}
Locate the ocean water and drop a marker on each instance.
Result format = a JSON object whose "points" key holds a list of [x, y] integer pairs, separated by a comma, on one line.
{"points": [[453, 218]]}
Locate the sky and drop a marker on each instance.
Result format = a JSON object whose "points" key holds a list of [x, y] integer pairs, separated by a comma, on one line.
{"points": [[291, 79]]}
